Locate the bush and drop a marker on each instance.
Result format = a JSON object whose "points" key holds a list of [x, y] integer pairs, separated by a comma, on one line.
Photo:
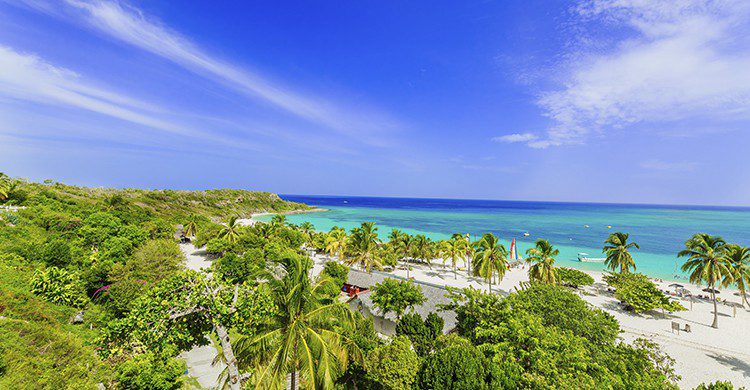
{"points": [[56, 253], [146, 371], [574, 278], [393, 366], [338, 272], [57, 285], [98, 227], [41, 355], [638, 291], [718, 385], [434, 324], [218, 246], [422, 334], [460, 367], [545, 336], [238, 269]]}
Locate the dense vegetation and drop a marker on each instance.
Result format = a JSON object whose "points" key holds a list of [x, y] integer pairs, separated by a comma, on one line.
{"points": [[99, 252], [93, 291]]}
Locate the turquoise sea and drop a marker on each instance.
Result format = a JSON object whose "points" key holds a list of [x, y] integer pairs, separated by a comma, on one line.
{"points": [[660, 230]]}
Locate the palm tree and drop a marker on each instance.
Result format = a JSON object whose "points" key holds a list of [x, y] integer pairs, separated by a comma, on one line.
{"points": [[395, 236], [406, 245], [453, 249], [191, 227], [490, 257], [423, 249], [616, 247], [364, 243], [307, 229], [707, 263], [468, 250], [278, 220], [543, 256], [230, 231], [301, 341], [738, 258], [336, 242]]}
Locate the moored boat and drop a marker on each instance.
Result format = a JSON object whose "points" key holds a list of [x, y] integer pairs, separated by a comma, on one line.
{"points": [[584, 257]]}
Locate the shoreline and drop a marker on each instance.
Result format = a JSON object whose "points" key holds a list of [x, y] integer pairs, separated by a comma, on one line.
{"points": [[597, 274], [703, 355], [292, 212]]}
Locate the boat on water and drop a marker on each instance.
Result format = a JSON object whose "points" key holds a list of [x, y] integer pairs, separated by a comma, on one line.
{"points": [[584, 257]]}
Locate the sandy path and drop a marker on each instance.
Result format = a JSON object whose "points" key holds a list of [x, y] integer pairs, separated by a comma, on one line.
{"points": [[199, 359]]}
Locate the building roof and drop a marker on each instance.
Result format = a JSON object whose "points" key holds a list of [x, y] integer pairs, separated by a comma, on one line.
{"points": [[435, 296]]}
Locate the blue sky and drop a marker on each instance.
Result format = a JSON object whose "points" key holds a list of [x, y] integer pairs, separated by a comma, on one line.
{"points": [[600, 100]]}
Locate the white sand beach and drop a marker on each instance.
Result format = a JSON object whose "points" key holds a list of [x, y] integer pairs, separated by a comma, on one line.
{"points": [[702, 355], [252, 221]]}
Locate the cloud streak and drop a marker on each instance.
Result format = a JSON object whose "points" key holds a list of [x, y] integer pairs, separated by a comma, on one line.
{"points": [[516, 137], [131, 26], [680, 60], [25, 77]]}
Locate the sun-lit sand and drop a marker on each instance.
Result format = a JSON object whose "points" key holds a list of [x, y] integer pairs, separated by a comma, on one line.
{"points": [[703, 355]]}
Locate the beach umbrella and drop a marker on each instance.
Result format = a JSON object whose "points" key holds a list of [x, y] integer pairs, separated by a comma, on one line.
{"points": [[739, 295], [676, 285], [708, 290]]}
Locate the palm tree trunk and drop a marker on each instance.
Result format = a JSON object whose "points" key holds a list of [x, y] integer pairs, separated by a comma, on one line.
{"points": [[490, 284], [226, 347], [715, 325]]}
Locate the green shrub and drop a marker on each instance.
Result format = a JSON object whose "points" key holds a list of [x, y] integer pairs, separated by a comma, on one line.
{"points": [[574, 278], [393, 366], [149, 372], [57, 285], [237, 269], [718, 385], [459, 367], [638, 291], [56, 253], [338, 272]]}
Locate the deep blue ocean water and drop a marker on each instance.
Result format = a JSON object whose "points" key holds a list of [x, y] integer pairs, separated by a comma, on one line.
{"points": [[661, 230]]}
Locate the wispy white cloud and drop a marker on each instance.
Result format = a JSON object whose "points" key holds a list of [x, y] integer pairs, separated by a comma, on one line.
{"points": [[130, 25], [516, 137], [658, 165], [680, 60], [26, 77]]}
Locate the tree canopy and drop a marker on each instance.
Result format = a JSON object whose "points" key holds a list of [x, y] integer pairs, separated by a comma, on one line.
{"points": [[396, 296]]}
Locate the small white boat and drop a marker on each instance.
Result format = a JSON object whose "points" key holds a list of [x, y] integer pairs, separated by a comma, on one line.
{"points": [[526, 234], [586, 226], [584, 257]]}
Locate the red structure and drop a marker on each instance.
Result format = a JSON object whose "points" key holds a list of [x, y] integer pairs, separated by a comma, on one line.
{"points": [[352, 290]]}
